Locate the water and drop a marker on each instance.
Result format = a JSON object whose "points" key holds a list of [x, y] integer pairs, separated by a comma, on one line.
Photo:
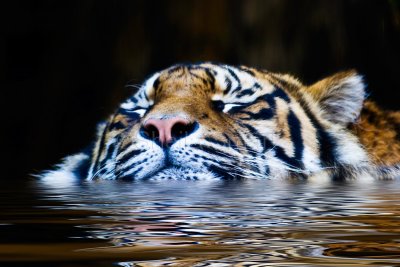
{"points": [[192, 223]]}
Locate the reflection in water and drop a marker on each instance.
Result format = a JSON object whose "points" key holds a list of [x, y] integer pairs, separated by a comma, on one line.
{"points": [[192, 223]]}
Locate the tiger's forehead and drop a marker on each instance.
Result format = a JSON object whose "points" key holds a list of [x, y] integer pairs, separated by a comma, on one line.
{"points": [[209, 81], [216, 81], [184, 80]]}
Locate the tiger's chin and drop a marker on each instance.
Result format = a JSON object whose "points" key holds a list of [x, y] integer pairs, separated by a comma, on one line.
{"points": [[183, 173], [164, 167], [171, 164]]}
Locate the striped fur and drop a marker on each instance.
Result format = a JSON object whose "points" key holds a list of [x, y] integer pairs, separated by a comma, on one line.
{"points": [[247, 123]]}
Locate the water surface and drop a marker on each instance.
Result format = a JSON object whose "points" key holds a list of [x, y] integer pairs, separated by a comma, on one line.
{"points": [[193, 223]]}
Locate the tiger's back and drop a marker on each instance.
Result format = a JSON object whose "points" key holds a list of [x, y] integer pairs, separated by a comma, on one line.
{"points": [[379, 132]]}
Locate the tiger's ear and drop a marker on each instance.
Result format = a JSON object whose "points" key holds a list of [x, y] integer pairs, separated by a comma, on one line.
{"points": [[341, 96]]}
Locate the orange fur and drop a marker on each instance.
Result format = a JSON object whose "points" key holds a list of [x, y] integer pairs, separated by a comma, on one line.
{"points": [[379, 133], [241, 122]]}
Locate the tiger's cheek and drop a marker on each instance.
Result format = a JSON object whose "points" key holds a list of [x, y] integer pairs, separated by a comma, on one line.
{"points": [[131, 136], [282, 130], [209, 120], [311, 154]]}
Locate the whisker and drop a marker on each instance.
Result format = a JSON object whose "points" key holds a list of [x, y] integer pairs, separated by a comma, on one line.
{"points": [[113, 163], [132, 85]]}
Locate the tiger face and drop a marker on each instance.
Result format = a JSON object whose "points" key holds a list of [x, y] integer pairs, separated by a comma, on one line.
{"points": [[211, 121]]}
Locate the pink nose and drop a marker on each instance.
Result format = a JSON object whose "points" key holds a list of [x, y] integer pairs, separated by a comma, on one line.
{"points": [[167, 130]]}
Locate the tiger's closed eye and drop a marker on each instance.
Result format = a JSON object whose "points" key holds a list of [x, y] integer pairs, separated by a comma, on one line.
{"points": [[224, 107], [141, 111], [136, 110], [229, 107]]}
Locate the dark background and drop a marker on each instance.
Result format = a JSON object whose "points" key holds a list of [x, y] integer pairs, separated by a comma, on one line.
{"points": [[64, 64]]}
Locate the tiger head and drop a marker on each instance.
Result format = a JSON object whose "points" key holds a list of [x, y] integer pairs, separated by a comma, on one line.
{"points": [[212, 121]]}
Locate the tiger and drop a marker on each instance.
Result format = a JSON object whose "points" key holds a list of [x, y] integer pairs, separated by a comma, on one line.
{"points": [[210, 121]]}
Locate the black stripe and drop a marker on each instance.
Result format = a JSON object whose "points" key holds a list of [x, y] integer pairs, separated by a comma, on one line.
{"points": [[131, 116], [249, 150], [295, 135], [228, 84], [146, 97], [213, 151], [101, 146], [279, 152], [237, 109], [250, 91], [283, 82], [215, 141], [269, 98], [196, 66], [129, 156], [266, 144], [134, 100], [117, 126], [204, 81], [293, 162], [263, 114], [156, 83], [278, 92], [224, 173], [246, 70], [245, 92], [176, 68], [127, 168], [213, 161], [229, 144], [221, 172], [211, 79], [109, 152], [130, 176], [130, 113], [233, 74], [327, 144]]}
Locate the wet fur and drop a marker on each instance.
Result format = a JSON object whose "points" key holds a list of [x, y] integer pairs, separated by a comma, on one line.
{"points": [[379, 132], [249, 124]]}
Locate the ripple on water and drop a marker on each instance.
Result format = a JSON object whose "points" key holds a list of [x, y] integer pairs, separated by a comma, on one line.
{"points": [[186, 223]]}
